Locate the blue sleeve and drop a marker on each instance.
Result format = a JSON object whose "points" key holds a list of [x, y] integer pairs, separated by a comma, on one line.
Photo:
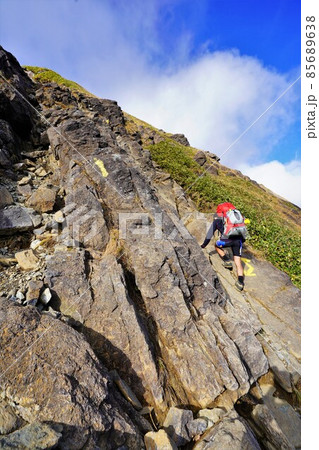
{"points": [[210, 233]]}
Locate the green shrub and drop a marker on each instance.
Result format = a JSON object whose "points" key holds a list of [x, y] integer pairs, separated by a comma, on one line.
{"points": [[275, 237]]}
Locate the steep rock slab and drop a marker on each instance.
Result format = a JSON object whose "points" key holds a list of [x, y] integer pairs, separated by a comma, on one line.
{"points": [[286, 417], [116, 330], [274, 306], [187, 325], [57, 378], [268, 424], [17, 117], [66, 276], [269, 299], [85, 223], [180, 291], [110, 320]]}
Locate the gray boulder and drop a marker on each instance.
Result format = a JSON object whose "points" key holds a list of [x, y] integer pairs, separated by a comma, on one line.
{"points": [[175, 424], [180, 138], [14, 219]]}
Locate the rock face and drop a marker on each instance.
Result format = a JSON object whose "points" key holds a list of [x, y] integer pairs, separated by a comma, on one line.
{"points": [[180, 138], [273, 301], [17, 117], [129, 313], [178, 306], [59, 381], [176, 291]]}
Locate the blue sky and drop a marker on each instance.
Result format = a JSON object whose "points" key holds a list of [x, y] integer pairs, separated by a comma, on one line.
{"points": [[205, 68]]}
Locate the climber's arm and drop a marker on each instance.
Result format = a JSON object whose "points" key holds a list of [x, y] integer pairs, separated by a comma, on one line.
{"points": [[209, 234]]}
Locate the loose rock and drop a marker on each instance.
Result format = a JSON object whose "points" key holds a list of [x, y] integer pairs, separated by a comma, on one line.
{"points": [[34, 288], [197, 427], [25, 190], [59, 217], [175, 425], [159, 440], [5, 197], [24, 180], [40, 172], [27, 260], [35, 244], [20, 295], [45, 296], [42, 200], [14, 219]]}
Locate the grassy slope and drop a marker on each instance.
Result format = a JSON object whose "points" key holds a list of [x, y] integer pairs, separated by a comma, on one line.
{"points": [[42, 74], [273, 229]]}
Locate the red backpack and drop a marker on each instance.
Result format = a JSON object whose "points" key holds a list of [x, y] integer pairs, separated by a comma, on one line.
{"points": [[234, 221], [222, 208]]}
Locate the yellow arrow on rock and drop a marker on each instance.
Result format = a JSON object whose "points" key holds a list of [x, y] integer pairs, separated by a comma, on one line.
{"points": [[249, 270]]}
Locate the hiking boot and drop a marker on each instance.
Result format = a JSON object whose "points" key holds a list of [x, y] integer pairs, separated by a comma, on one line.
{"points": [[228, 265], [239, 285]]}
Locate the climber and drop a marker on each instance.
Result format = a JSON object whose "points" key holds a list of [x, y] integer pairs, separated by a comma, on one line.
{"points": [[231, 226]]}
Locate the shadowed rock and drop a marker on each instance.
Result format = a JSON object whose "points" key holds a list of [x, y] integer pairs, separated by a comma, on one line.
{"points": [[59, 379], [14, 219]]}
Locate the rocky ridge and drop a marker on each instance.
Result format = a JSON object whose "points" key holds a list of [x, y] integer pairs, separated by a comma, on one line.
{"points": [[121, 324]]}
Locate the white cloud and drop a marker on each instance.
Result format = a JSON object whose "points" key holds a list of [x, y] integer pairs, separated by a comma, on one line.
{"points": [[283, 179], [213, 100]]}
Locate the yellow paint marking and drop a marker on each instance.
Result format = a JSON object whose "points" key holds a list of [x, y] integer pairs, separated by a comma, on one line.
{"points": [[100, 165], [249, 270]]}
